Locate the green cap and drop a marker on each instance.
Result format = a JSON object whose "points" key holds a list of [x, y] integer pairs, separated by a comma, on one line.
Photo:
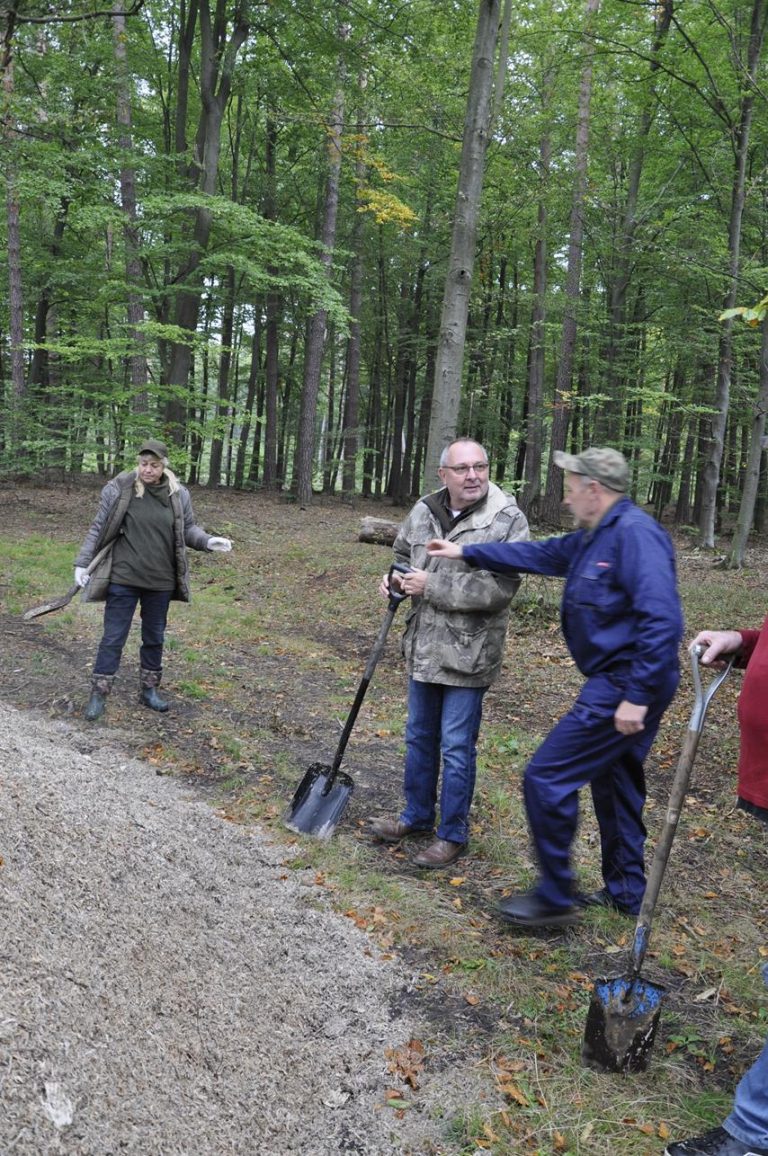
{"points": [[606, 466], [152, 446]]}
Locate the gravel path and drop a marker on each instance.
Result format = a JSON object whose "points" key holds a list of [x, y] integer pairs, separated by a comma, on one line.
{"points": [[168, 986]]}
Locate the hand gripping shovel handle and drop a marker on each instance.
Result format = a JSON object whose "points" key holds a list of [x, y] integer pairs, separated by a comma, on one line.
{"points": [[395, 598], [674, 806], [65, 599]]}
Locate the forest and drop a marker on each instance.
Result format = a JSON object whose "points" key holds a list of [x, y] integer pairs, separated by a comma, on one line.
{"points": [[308, 244]]}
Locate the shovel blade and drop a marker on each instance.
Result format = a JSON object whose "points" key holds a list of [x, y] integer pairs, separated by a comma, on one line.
{"points": [[319, 802], [621, 1024]]}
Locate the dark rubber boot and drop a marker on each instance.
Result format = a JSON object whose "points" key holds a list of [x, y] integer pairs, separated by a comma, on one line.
{"points": [[152, 699], [101, 686], [96, 706], [150, 681]]}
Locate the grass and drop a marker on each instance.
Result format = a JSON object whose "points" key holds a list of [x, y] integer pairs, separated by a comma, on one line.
{"points": [[267, 660]]}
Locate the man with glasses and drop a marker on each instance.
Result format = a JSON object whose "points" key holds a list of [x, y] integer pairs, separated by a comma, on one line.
{"points": [[453, 645], [622, 621]]}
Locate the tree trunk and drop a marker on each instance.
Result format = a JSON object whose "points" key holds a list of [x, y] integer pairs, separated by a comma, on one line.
{"points": [[552, 497], [217, 66], [608, 425], [446, 395], [752, 480], [14, 436], [137, 360], [272, 328], [224, 384], [534, 426], [712, 463], [313, 353], [250, 397]]}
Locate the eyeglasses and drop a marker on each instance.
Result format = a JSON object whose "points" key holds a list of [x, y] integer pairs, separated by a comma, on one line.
{"points": [[478, 467]]}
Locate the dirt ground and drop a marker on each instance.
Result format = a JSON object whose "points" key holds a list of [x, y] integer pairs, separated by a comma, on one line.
{"points": [[173, 982]]}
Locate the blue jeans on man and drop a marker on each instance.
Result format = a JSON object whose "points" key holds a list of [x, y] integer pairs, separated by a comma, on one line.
{"points": [[748, 1120], [745, 1130], [443, 722], [119, 610]]}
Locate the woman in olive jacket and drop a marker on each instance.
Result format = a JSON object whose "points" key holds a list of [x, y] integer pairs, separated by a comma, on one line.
{"points": [[135, 554]]}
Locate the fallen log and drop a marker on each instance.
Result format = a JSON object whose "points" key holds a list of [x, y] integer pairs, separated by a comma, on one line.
{"points": [[378, 531]]}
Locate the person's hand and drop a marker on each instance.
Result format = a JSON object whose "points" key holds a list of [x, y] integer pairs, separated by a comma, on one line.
{"points": [[629, 718], [397, 584], [442, 548], [222, 545], [717, 643], [82, 577], [414, 582]]}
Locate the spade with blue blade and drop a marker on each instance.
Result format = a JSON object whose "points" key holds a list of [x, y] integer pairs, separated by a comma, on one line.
{"points": [[624, 1010]]}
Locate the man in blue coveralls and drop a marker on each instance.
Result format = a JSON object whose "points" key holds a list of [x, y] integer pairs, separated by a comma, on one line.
{"points": [[622, 621]]}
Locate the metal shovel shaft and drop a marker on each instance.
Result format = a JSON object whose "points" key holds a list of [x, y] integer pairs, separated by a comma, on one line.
{"points": [[375, 655], [674, 807], [624, 1011]]}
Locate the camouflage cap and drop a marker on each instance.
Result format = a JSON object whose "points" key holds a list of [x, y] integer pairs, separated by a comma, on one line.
{"points": [[606, 466], [152, 446]]}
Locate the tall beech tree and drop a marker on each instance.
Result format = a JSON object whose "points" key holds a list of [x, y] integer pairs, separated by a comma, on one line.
{"points": [[458, 282]]}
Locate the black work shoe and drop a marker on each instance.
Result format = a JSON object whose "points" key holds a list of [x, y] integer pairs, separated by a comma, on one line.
{"points": [[718, 1142], [95, 708], [393, 830], [529, 910], [152, 699], [601, 898], [752, 809], [440, 853]]}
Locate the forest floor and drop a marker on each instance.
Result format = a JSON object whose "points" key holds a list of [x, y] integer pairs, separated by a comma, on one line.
{"points": [[184, 975]]}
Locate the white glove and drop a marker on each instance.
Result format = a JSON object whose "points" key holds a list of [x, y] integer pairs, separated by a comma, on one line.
{"points": [[221, 544], [82, 577]]}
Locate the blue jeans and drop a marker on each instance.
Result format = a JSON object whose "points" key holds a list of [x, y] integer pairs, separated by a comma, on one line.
{"points": [[118, 616], [748, 1120], [441, 720], [585, 748]]}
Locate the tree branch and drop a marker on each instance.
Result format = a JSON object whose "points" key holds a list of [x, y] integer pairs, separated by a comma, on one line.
{"points": [[134, 10]]}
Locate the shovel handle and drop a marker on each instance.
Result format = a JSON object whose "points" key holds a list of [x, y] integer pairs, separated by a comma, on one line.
{"points": [[395, 599], [65, 599], [397, 596], [703, 697], [675, 804]]}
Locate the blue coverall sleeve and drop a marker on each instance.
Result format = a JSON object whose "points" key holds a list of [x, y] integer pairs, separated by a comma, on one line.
{"points": [[551, 556], [648, 571]]}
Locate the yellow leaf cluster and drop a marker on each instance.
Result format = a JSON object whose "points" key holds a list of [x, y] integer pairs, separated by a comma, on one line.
{"points": [[385, 207]]}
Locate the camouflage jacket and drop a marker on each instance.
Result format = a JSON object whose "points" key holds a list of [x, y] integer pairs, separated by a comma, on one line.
{"points": [[455, 633]]}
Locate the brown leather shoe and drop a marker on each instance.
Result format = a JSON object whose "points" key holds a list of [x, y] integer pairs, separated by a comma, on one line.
{"points": [[440, 853], [393, 830]]}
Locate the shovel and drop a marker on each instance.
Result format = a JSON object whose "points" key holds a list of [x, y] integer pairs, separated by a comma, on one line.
{"points": [[624, 1010], [322, 795], [65, 599]]}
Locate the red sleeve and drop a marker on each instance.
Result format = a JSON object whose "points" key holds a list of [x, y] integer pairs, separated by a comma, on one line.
{"points": [[749, 640]]}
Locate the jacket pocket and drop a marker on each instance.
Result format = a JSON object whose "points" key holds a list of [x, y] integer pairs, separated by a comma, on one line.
{"points": [[96, 590], [469, 652], [598, 593]]}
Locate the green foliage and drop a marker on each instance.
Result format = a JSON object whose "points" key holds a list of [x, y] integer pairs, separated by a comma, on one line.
{"points": [[656, 262]]}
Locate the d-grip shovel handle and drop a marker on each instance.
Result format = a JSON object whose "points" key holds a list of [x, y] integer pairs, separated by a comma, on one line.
{"points": [[395, 598], [674, 806]]}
